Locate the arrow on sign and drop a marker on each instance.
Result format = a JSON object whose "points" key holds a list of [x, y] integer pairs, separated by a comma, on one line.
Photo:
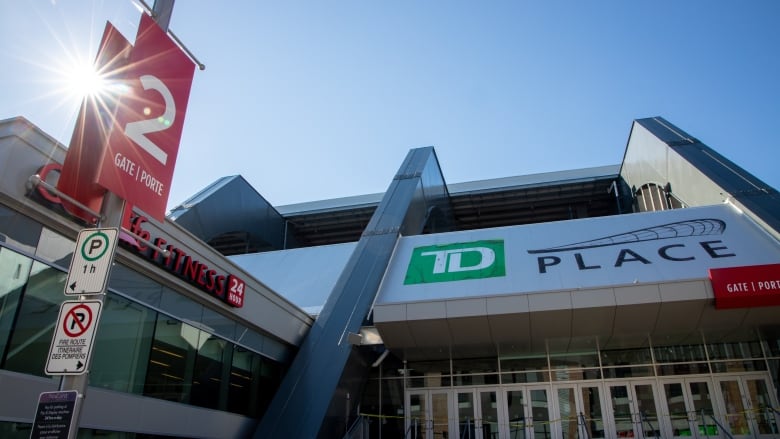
{"points": [[73, 286], [79, 365]]}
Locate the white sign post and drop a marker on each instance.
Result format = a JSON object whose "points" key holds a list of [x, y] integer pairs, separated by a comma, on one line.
{"points": [[71, 347], [91, 261]]}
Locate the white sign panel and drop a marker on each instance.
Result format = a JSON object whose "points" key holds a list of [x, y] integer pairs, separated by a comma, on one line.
{"points": [[74, 334], [666, 246], [91, 261]]}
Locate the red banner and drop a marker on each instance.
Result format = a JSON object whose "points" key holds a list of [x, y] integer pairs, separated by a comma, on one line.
{"points": [[79, 171], [140, 156], [742, 287]]}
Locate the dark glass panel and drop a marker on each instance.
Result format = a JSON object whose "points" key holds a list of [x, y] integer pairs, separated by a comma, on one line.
{"points": [[679, 354], [629, 372], [683, 369], [625, 357], [207, 376], [18, 231], [14, 269], [34, 327], [122, 345], [171, 360], [734, 351]]}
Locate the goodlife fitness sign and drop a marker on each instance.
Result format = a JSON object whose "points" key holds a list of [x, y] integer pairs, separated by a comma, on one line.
{"points": [[141, 151], [137, 158]]}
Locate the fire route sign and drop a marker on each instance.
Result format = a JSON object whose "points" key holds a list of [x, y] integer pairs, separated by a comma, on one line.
{"points": [[71, 347]]}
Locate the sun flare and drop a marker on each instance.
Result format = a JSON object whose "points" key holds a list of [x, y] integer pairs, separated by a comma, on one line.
{"points": [[83, 80]]}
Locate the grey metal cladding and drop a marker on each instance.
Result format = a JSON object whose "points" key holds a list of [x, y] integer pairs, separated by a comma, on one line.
{"points": [[317, 380]]}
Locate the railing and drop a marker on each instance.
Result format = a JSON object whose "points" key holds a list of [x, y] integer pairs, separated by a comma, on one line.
{"points": [[720, 426], [466, 431], [412, 429], [583, 426], [359, 429], [643, 418]]}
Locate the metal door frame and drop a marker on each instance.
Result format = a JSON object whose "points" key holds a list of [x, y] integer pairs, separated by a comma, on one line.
{"points": [[741, 379]]}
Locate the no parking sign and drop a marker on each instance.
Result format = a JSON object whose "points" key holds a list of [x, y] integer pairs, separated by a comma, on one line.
{"points": [[71, 347]]}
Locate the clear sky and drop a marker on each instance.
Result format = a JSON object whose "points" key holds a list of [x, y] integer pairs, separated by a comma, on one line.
{"points": [[314, 100]]}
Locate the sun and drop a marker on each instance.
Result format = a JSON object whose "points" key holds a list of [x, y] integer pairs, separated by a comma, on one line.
{"points": [[83, 80]]}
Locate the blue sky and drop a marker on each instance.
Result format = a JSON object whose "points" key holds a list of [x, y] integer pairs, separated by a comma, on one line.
{"points": [[314, 100]]}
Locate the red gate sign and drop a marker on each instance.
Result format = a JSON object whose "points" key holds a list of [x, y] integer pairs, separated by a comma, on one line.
{"points": [[140, 156], [78, 175], [741, 287]]}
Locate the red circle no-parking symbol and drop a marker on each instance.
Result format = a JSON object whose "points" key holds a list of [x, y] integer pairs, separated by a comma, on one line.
{"points": [[77, 321]]}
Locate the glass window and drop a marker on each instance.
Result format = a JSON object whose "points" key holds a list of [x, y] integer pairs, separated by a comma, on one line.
{"points": [[626, 357], [732, 351], [252, 383], [250, 339], [55, 248], [122, 345], [244, 375], [629, 371], [738, 366], [275, 349], [15, 430], [525, 377], [270, 377], [34, 328], [181, 307], [475, 371], [575, 374], [18, 231], [133, 284], [526, 363], [207, 376], [219, 324], [171, 360], [679, 354], [683, 369], [574, 360], [436, 367], [429, 373], [14, 269], [474, 365], [474, 380]]}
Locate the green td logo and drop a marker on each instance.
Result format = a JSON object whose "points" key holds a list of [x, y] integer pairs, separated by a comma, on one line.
{"points": [[452, 262]]}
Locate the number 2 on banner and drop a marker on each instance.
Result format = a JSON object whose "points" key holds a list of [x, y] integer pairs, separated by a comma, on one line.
{"points": [[137, 131]]}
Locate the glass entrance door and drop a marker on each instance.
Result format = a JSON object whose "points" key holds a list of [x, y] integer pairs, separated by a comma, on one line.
{"points": [[579, 411], [478, 414], [689, 410], [428, 414], [746, 403], [528, 413], [634, 409], [518, 413]]}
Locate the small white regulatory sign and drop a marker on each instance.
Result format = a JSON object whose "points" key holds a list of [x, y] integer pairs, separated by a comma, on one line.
{"points": [[71, 347], [89, 268]]}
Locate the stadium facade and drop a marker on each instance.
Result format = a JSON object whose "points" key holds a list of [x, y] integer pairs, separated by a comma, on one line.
{"points": [[632, 300]]}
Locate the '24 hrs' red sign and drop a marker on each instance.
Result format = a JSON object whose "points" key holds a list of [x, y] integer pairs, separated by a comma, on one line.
{"points": [[141, 151]]}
